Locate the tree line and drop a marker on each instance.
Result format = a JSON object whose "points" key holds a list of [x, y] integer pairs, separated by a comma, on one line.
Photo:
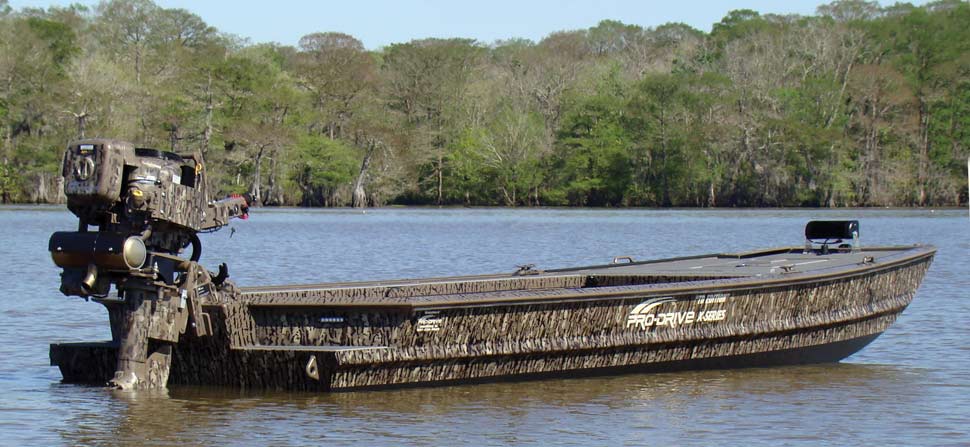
{"points": [[857, 105]]}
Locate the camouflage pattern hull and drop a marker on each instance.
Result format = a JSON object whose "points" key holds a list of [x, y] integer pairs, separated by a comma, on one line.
{"points": [[652, 316]]}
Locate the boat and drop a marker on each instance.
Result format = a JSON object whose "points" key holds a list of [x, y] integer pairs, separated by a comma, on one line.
{"points": [[173, 322]]}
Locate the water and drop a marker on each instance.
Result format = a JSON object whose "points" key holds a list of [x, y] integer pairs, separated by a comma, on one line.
{"points": [[910, 387]]}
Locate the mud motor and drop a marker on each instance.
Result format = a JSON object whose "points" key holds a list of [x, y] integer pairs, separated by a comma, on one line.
{"points": [[139, 214]]}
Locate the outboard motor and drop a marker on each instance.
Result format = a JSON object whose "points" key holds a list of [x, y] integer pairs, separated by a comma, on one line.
{"points": [[147, 207], [820, 234]]}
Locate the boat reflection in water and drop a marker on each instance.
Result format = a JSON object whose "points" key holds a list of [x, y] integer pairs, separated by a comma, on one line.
{"points": [[681, 405]]}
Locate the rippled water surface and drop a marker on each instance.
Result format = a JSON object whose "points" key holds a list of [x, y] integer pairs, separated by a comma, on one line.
{"points": [[909, 387]]}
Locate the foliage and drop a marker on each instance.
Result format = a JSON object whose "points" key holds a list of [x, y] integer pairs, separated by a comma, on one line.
{"points": [[859, 105]]}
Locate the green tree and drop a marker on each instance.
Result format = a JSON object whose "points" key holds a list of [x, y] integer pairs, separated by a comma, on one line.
{"points": [[923, 44], [425, 82], [323, 168], [593, 164]]}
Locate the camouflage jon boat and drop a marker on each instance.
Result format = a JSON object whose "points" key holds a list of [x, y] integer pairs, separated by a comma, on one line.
{"points": [[174, 322]]}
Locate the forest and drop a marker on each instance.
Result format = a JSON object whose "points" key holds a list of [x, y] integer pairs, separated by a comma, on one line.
{"points": [[857, 105]]}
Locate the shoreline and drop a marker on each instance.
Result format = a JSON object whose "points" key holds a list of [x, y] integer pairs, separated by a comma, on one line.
{"points": [[61, 206]]}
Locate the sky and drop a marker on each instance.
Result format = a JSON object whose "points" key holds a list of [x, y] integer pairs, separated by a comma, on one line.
{"points": [[379, 23]]}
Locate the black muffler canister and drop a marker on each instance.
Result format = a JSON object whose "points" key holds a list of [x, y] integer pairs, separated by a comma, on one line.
{"points": [[71, 249]]}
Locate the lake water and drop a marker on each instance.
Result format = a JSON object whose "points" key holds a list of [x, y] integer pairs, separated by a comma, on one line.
{"points": [[910, 387]]}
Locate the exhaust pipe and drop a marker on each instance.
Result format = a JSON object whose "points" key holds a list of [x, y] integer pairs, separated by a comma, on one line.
{"points": [[90, 279]]}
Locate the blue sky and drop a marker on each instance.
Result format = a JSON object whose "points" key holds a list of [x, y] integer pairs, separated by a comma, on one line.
{"points": [[379, 23]]}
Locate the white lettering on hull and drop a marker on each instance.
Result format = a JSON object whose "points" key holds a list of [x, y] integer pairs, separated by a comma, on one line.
{"points": [[645, 315]]}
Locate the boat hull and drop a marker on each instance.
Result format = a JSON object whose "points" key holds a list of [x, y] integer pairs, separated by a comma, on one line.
{"points": [[348, 338], [93, 363], [825, 353]]}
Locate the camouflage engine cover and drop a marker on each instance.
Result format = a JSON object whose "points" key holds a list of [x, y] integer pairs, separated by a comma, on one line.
{"points": [[111, 177], [161, 188], [93, 171]]}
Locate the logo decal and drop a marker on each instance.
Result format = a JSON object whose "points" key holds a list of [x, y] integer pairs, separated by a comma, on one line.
{"points": [[430, 322], [83, 168], [645, 315], [203, 290]]}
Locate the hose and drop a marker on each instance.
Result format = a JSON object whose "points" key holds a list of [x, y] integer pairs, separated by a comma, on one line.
{"points": [[196, 248]]}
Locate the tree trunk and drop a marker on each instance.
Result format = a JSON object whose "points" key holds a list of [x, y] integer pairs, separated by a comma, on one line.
{"points": [[924, 151], [359, 199], [509, 200], [137, 64], [82, 120], [274, 193], [256, 189], [45, 188], [7, 145], [440, 178], [174, 137], [663, 160], [207, 132]]}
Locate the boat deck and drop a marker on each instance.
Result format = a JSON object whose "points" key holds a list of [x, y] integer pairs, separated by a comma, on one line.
{"points": [[620, 278], [753, 264]]}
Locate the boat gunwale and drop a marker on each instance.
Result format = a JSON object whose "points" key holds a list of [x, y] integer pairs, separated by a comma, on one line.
{"points": [[730, 284], [253, 290]]}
